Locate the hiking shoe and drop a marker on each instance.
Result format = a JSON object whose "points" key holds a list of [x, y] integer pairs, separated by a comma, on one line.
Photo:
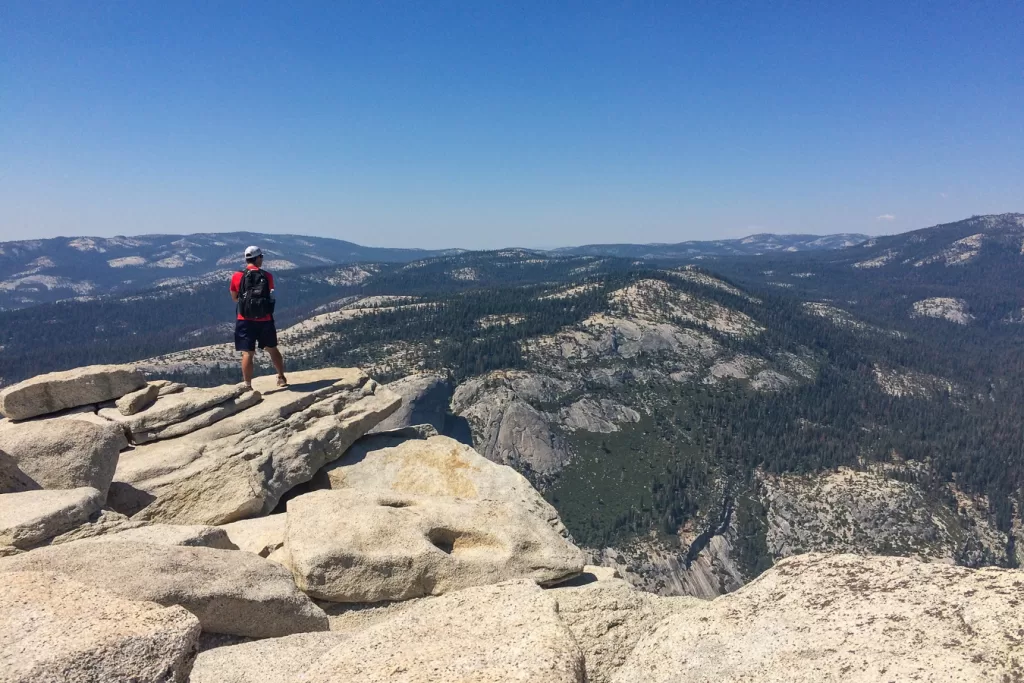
{"points": [[281, 381]]}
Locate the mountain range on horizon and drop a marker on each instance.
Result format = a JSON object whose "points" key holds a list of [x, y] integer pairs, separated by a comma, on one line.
{"points": [[45, 270]]}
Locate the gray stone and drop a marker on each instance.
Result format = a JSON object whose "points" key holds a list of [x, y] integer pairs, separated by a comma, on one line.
{"points": [[425, 400], [349, 546], [57, 631], [272, 660], [229, 591], [58, 391], [487, 634], [240, 467], [64, 453], [132, 403], [199, 420], [30, 518]]}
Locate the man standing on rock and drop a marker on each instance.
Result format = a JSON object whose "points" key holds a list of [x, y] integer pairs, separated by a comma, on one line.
{"points": [[253, 291]]}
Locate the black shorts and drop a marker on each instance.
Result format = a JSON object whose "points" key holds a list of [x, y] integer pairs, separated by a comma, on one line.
{"points": [[249, 333]]}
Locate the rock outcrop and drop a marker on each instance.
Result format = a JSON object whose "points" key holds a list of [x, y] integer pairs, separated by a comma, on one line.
{"points": [[57, 631], [229, 591], [425, 400], [176, 409], [59, 391], [845, 618], [31, 518], [240, 466], [260, 535], [64, 453]]}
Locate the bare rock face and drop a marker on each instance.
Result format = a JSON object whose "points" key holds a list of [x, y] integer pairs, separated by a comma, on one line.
{"points": [[58, 391], [488, 634], [30, 518], [271, 660], [432, 467], [129, 404], [425, 399], [229, 591], [845, 618], [507, 427], [240, 466], [348, 546], [608, 617], [57, 631], [64, 453]]}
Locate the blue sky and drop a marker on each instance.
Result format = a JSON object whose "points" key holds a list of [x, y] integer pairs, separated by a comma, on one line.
{"points": [[487, 124]]}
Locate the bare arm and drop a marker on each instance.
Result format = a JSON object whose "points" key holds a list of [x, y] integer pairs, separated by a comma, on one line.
{"points": [[234, 296]]}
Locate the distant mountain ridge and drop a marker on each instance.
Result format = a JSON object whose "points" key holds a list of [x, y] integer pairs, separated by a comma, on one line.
{"points": [[41, 271], [752, 245]]}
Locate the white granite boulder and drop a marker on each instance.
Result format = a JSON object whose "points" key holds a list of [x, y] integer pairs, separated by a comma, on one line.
{"points": [[845, 618], [139, 400], [271, 660], [64, 453], [30, 518], [434, 467], [260, 535], [229, 591], [58, 391], [57, 631], [349, 546], [487, 634]]}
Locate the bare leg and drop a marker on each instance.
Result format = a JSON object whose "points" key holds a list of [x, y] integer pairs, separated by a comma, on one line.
{"points": [[278, 360], [247, 369]]}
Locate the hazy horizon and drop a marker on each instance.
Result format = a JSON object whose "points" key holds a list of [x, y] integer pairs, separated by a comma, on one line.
{"points": [[478, 127]]}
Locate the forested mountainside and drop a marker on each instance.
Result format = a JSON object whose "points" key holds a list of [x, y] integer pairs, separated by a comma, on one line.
{"points": [[691, 425], [754, 245], [40, 271]]}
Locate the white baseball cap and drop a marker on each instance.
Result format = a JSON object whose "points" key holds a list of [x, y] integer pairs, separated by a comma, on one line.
{"points": [[253, 252]]}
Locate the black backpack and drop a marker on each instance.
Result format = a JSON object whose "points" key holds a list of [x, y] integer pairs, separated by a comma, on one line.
{"points": [[254, 300]]}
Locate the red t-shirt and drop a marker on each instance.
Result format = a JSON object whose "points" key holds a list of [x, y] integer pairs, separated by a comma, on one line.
{"points": [[236, 282]]}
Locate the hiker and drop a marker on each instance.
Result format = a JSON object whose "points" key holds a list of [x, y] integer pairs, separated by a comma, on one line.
{"points": [[253, 291]]}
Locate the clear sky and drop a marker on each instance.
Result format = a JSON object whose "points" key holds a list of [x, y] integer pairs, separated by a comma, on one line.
{"points": [[485, 123]]}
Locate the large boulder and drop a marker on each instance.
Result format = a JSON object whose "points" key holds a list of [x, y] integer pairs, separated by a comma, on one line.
{"points": [[433, 467], [487, 634], [844, 618], [64, 453], [58, 391], [349, 546], [271, 660], [31, 518], [260, 535], [192, 535], [12, 479], [608, 617], [229, 591], [425, 400], [240, 466], [57, 631]]}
